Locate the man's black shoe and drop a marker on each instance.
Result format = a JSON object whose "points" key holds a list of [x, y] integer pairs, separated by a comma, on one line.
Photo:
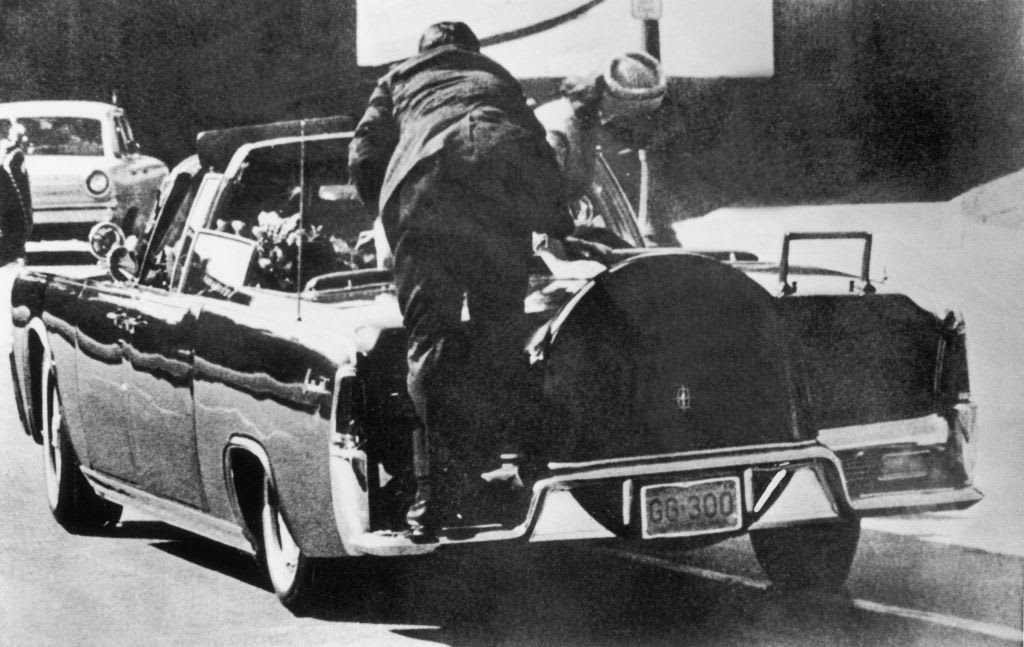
{"points": [[507, 476]]}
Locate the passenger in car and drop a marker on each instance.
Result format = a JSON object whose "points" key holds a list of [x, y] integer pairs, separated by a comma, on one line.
{"points": [[457, 163], [631, 86]]}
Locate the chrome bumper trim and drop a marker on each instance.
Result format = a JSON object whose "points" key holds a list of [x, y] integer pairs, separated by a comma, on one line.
{"points": [[806, 497], [540, 527], [917, 501], [926, 430], [815, 490]]}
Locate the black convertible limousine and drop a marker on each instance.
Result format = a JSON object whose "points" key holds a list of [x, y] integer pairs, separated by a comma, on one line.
{"points": [[240, 373]]}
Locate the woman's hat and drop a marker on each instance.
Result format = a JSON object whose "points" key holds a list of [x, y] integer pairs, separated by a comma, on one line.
{"points": [[634, 84]]}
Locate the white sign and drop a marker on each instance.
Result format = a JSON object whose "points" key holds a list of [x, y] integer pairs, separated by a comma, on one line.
{"points": [[549, 38], [647, 9]]}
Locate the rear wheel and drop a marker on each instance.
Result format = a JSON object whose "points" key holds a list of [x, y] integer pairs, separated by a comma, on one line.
{"points": [[73, 502], [812, 556], [299, 581]]}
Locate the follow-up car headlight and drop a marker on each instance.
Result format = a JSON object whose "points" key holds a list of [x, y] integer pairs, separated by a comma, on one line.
{"points": [[97, 182]]}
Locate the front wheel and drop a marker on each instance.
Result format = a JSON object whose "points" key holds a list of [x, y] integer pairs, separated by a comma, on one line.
{"points": [[812, 556], [73, 502]]}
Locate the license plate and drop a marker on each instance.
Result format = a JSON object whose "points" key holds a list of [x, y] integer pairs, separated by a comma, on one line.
{"points": [[694, 508]]}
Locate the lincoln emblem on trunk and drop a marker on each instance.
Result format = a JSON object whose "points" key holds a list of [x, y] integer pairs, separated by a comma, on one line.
{"points": [[683, 401]]}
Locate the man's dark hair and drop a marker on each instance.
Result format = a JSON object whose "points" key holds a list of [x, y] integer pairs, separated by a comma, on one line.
{"points": [[449, 33]]}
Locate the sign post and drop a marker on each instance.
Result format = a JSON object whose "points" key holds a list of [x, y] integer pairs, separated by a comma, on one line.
{"points": [[649, 11]]}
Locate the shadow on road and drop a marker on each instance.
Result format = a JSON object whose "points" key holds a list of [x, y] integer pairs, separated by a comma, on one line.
{"points": [[565, 596], [146, 530], [213, 556]]}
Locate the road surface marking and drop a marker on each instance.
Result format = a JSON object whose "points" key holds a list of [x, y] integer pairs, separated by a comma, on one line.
{"points": [[963, 624]]}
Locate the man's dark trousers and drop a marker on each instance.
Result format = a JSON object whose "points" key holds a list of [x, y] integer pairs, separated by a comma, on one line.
{"points": [[465, 378]]}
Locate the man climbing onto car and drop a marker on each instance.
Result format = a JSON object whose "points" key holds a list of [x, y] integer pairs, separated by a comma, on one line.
{"points": [[459, 168]]}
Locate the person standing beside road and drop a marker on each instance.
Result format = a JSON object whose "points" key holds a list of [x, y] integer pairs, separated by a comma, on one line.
{"points": [[15, 199], [458, 166]]}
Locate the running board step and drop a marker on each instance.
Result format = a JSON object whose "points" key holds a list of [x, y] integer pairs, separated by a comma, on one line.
{"points": [[388, 543]]}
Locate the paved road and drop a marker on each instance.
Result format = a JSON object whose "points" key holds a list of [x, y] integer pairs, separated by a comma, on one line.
{"points": [[940, 581]]}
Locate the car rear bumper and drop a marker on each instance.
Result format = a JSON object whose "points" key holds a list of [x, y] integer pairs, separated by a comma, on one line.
{"points": [[781, 485]]}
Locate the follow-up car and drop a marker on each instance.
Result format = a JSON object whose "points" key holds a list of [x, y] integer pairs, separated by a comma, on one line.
{"points": [[84, 166], [679, 398]]}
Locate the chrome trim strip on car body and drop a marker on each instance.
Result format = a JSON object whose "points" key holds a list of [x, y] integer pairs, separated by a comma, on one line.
{"points": [[256, 450], [925, 430], [805, 497], [690, 454], [176, 514], [350, 498], [698, 461], [768, 491]]}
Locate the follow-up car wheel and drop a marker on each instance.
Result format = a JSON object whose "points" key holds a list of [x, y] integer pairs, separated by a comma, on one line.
{"points": [[73, 502], [812, 556], [298, 580]]}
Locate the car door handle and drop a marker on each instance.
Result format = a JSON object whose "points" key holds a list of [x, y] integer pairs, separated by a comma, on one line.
{"points": [[129, 324], [125, 322]]}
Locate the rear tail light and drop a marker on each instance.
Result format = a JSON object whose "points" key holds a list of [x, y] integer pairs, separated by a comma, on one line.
{"points": [[951, 377], [904, 465], [97, 182]]}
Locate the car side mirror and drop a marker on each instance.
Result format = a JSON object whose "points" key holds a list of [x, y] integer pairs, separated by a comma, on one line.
{"points": [[104, 237], [133, 148]]}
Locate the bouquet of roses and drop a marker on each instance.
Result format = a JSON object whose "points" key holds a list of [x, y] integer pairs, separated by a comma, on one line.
{"points": [[279, 239]]}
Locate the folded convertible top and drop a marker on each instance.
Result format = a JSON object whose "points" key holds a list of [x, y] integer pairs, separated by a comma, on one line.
{"points": [[216, 147]]}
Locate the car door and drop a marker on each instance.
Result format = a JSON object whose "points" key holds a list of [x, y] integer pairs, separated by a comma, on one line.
{"points": [[157, 331], [135, 370], [102, 382], [158, 336]]}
